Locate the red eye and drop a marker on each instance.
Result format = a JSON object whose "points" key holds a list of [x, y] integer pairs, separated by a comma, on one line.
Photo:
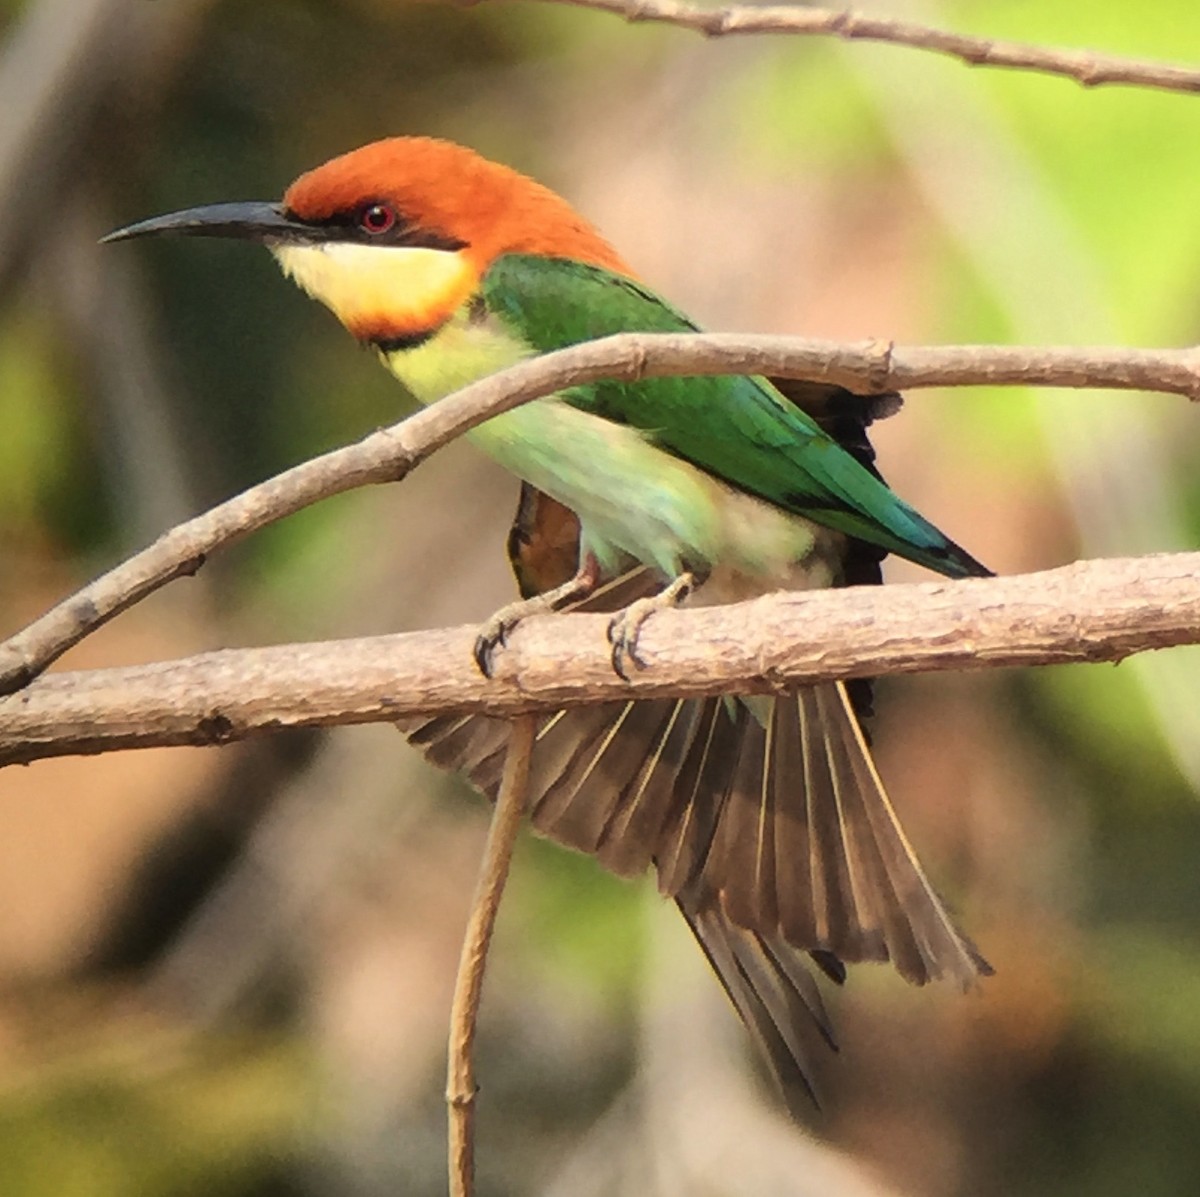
{"points": [[376, 219]]}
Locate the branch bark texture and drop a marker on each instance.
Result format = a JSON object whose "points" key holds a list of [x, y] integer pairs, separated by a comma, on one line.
{"points": [[391, 453], [1084, 66], [1089, 611]]}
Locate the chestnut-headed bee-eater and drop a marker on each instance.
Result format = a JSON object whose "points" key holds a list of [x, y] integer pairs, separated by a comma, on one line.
{"points": [[763, 818]]}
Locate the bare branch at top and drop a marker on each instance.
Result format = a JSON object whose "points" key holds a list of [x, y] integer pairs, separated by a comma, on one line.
{"points": [[1084, 66]]}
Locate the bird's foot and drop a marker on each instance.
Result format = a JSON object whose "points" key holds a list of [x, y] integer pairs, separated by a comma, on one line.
{"points": [[495, 632], [626, 626]]}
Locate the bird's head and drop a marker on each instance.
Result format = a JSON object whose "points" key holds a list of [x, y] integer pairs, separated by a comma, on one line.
{"points": [[394, 237]]}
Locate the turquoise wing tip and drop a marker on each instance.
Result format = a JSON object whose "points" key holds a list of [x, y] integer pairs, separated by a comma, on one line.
{"points": [[956, 562]]}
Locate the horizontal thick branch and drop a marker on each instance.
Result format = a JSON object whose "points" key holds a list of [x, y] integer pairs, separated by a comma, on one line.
{"points": [[391, 453], [1084, 66], [1090, 611]]}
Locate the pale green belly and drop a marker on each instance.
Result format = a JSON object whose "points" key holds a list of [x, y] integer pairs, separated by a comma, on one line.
{"points": [[632, 498]]}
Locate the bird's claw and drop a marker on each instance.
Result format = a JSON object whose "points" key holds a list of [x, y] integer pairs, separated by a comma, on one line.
{"points": [[623, 636], [493, 635], [625, 627]]}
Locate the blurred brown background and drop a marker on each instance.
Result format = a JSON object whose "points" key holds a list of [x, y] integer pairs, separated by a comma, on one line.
{"points": [[228, 971]]}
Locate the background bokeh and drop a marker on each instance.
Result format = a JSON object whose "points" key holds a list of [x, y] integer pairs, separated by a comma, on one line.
{"points": [[228, 971]]}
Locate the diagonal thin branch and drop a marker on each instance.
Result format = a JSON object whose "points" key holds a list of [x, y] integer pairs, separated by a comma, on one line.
{"points": [[391, 453], [1084, 66], [1090, 611]]}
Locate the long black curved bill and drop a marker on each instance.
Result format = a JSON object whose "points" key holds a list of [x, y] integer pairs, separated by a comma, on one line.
{"points": [[252, 221]]}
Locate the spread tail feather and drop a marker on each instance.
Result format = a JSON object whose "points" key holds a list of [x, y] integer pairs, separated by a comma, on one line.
{"points": [[765, 820]]}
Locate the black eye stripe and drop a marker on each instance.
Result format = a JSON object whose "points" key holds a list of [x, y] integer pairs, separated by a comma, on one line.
{"points": [[347, 225]]}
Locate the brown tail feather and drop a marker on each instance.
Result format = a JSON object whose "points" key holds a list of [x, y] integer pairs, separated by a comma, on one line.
{"points": [[773, 993], [770, 828]]}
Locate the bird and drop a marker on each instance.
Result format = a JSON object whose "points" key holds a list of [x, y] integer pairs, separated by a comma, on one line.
{"points": [[764, 818]]}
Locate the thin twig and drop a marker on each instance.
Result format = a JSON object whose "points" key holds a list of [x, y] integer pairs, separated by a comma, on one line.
{"points": [[1090, 611], [391, 453], [1084, 66], [464, 1011]]}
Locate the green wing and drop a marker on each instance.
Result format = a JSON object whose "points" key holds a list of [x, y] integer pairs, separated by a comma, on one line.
{"points": [[740, 429]]}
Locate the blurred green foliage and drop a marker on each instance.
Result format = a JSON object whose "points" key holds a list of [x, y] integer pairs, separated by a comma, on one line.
{"points": [[224, 1121]]}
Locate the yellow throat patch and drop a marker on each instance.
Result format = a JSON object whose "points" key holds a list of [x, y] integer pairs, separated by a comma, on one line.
{"points": [[381, 292]]}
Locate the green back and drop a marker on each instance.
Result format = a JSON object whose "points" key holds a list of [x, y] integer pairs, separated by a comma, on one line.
{"points": [[738, 428]]}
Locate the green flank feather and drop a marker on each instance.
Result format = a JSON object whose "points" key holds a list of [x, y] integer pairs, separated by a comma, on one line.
{"points": [[739, 429]]}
